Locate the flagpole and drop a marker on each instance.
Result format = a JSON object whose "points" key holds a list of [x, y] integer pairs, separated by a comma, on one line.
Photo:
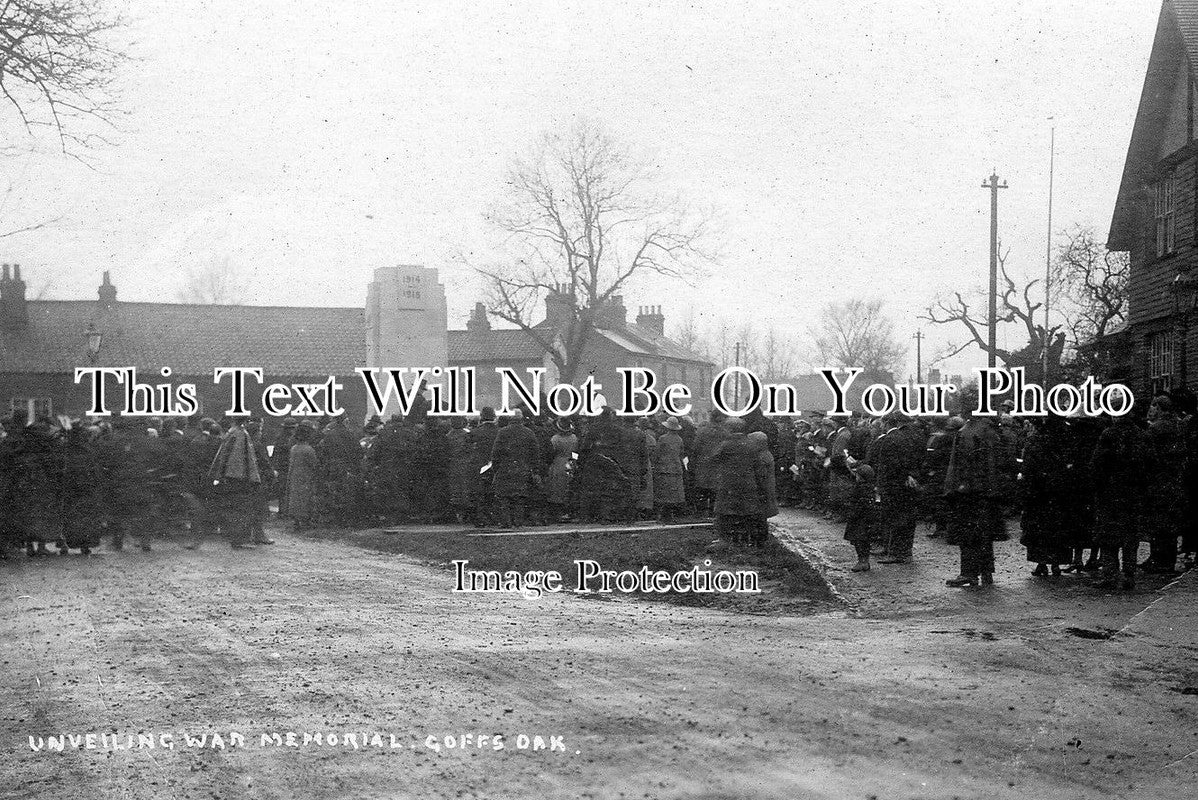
{"points": [[1052, 149]]}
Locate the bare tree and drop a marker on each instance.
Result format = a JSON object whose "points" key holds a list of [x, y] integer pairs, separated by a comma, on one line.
{"points": [[1015, 306], [688, 334], [1093, 285], [213, 284], [778, 355], [58, 66], [586, 222], [856, 333]]}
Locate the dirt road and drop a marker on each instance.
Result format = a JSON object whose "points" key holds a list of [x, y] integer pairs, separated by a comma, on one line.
{"points": [[922, 692]]}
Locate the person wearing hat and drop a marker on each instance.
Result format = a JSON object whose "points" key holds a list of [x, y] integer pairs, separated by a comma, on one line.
{"points": [[564, 447], [340, 455], [669, 488], [280, 458], [481, 441], [237, 476], [971, 486], [514, 459], [897, 456], [861, 521], [302, 472], [261, 508], [739, 500], [647, 460], [707, 441], [934, 468]]}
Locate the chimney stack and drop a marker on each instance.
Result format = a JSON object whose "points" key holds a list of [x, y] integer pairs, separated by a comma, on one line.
{"points": [[13, 311], [651, 319], [559, 306], [612, 314], [107, 293], [478, 319]]}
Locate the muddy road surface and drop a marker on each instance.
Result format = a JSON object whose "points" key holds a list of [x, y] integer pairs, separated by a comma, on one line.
{"points": [[1033, 689]]}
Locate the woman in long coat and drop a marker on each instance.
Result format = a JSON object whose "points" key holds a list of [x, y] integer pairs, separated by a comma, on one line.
{"points": [[668, 475], [563, 446], [301, 477]]}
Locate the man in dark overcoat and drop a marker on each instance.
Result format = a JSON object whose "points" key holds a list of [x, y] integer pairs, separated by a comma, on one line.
{"points": [[740, 499], [481, 442], [896, 457], [1119, 470], [515, 457], [971, 487]]}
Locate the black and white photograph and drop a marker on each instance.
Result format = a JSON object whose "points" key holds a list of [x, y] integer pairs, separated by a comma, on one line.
{"points": [[625, 400]]}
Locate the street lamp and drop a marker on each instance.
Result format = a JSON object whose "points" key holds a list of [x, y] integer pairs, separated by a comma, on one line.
{"points": [[94, 339]]}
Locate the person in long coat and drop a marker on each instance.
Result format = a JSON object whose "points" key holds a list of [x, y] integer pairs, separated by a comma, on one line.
{"points": [[1119, 468], [201, 451], [862, 520], [708, 438], [935, 466], [514, 459], [1048, 504], [36, 489], [133, 462], [340, 455], [238, 478], [461, 481], [302, 472], [1166, 503], [482, 443], [767, 485], [896, 458], [601, 483], [262, 494], [280, 458], [648, 454], [564, 447], [971, 486], [739, 501], [669, 486], [82, 490]]}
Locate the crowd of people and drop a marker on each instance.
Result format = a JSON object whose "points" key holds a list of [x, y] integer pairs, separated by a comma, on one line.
{"points": [[1086, 491]]}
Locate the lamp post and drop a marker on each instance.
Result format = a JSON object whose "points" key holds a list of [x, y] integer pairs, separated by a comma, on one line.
{"points": [[94, 340]]}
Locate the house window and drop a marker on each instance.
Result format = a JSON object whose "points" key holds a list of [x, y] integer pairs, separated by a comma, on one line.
{"points": [[1165, 212], [33, 408], [1160, 362]]}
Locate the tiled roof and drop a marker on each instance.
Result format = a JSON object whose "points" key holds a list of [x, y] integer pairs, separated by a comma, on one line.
{"points": [[493, 345], [511, 344], [190, 339]]}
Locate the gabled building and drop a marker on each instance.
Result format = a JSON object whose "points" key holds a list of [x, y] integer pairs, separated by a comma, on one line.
{"points": [[1156, 212], [615, 342], [42, 342]]}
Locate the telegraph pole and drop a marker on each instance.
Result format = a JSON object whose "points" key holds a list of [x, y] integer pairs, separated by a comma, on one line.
{"points": [[993, 184], [918, 356]]}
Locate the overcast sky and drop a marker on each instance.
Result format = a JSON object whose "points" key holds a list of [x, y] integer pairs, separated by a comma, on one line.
{"points": [[843, 144]]}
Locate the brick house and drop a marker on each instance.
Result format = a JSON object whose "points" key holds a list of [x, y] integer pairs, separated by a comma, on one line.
{"points": [[43, 341], [615, 342], [1156, 213]]}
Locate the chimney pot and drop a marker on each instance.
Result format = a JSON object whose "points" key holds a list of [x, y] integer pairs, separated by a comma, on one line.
{"points": [[13, 310], [107, 292]]}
